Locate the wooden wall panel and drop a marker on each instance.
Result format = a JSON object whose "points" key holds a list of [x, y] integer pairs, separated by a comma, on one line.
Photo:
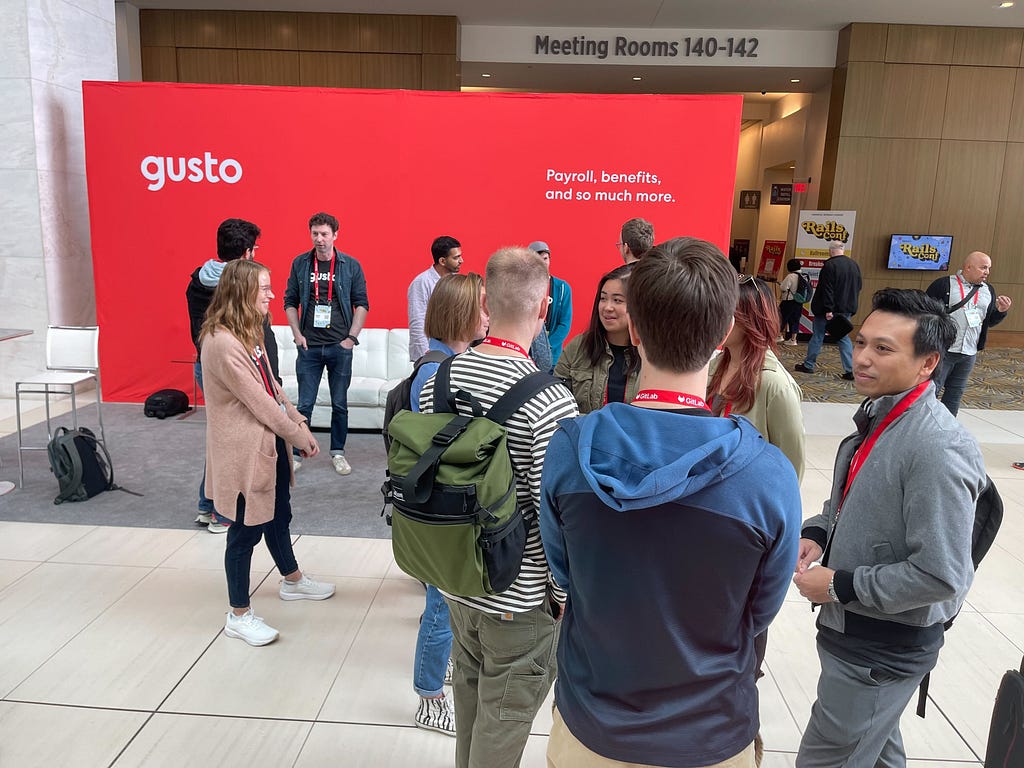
{"points": [[328, 32], [390, 33], [866, 42], [204, 29], [920, 44], [267, 30], [976, 103], [913, 100], [860, 101], [268, 67], [329, 70], [967, 194], [1016, 131], [390, 70], [988, 46], [440, 73], [207, 65], [1008, 265], [440, 35], [156, 27], [159, 64]]}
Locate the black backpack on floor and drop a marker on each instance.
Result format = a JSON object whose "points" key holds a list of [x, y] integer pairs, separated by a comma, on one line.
{"points": [[166, 402], [80, 463], [1006, 734]]}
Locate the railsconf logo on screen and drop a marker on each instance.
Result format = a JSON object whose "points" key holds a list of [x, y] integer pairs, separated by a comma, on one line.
{"points": [[159, 170], [930, 252]]}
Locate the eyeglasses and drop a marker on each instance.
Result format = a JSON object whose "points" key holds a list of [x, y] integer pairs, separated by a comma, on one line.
{"points": [[744, 279], [266, 290]]}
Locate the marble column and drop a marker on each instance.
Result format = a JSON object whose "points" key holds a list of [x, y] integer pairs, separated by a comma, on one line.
{"points": [[49, 47]]}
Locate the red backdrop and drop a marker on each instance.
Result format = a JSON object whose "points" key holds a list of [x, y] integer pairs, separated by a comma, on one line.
{"points": [[397, 168]]}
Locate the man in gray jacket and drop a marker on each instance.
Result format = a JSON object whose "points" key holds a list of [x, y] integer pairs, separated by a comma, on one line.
{"points": [[894, 538]]}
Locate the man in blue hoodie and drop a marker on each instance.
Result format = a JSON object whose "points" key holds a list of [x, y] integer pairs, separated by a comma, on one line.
{"points": [[674, 533]]}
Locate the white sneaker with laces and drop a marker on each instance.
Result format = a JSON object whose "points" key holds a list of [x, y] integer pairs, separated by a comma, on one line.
{"points": [[305, 589], [217, 527], [790, 342], [204, 518], [436, 715], [341, 465], [449, 671], [250, 628]]}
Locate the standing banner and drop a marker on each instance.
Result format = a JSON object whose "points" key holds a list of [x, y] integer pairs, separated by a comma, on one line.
{"points": [[772, 253], [816, 229], [166, 163]]}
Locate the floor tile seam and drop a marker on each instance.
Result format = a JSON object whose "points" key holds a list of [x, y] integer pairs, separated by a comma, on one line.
{"points": [[956, 730], [1018, 645], [785, 701], [132, 739], [29, 572], [348, 650], [84, 627], [180, 546]]}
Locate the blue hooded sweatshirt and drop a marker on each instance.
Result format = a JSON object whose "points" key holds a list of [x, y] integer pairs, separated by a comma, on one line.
{"points": [[675, 535]]}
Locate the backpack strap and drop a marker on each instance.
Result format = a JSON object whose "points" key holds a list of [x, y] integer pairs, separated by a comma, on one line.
{"points": [[419, 483], [448, 403], [518, 394], [69, 462], [964, 300]]}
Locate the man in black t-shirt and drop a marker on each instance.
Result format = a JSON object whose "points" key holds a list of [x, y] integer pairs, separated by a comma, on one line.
{"points": [[326, 305]]}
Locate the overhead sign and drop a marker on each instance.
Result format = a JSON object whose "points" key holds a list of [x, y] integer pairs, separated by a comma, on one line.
{"points": [[816, 229], [396, 178], [658, 47]]}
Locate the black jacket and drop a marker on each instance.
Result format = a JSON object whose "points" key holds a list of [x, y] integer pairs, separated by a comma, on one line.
{"points": [[939, 289], [838, 290], [198, 297]]}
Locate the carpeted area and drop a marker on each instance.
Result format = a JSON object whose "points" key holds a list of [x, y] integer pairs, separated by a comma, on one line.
{"points": [[164, 461], [997, 382]]}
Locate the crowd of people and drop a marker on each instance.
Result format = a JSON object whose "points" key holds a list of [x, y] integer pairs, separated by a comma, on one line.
{"points": [[672, 448]]}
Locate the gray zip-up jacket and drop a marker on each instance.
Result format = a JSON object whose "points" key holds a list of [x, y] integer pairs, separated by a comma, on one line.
{"points": [[902, 546]]}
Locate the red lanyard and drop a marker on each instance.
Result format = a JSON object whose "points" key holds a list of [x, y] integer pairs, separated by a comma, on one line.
{"points": [[258, 358], [865, 448], [958, 281], [727, 410], [504, 344], [670, 396], [330, 279]]}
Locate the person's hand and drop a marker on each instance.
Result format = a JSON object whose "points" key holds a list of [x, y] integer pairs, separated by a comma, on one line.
{"points": [[300, 341], [813, 583], [809, 552], [312, 447], [347, 343], [1003, 303]]}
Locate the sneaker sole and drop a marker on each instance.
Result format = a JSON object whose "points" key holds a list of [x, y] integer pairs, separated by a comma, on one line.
{"points": [[290, 596], [239, 636], [435, 728], [344, 471], [217, 528]]}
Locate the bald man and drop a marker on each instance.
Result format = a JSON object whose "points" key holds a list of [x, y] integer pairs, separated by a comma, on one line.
{"points": [[974, 307]]}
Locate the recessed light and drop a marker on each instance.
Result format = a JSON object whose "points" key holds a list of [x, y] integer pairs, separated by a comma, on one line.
{"points": [[1007, 4], [485, 74], [637, 77], [795, 80]]}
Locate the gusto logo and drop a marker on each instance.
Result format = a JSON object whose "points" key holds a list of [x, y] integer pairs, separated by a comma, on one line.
{"points": [[159, 170]]}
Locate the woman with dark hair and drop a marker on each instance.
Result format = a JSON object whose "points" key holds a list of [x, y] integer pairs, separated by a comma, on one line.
{"points": [[747, 379], [250, 425], [601, 364], [455, 318], [790, 309]]}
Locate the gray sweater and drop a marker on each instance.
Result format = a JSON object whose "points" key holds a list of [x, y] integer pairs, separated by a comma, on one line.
{"points": [[902, 546]]}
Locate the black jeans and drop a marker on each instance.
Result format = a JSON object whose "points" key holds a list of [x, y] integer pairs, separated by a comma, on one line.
{"points": [[242, 538], [789, 313]]}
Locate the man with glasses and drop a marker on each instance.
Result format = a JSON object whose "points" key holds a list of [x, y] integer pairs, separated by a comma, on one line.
{"points": [[635, 239], [236, 239], [326, 305]]}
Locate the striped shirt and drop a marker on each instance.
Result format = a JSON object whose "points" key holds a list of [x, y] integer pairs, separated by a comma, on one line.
{"points": [[528, 430]]}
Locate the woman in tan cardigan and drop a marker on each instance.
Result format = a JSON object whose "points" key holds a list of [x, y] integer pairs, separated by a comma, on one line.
{"points": [[249, 426]]}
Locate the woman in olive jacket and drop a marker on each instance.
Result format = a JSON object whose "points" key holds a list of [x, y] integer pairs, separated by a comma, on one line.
{"points": [[601, 365], [249, 426]]}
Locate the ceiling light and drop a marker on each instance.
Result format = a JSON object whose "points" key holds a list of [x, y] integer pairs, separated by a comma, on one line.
{"points": [[637, 77], [485, 74], [795, 80], [1007, 4]]}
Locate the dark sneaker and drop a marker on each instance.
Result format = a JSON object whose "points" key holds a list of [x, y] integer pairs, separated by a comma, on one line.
{"points": [[802, 368]]}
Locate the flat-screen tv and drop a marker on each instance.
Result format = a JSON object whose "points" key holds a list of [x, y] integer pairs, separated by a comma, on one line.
{"points": [[929, 252]]}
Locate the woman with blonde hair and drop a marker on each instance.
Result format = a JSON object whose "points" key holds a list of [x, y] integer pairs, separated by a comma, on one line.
{"points": [[250, 424], [455, 319]]}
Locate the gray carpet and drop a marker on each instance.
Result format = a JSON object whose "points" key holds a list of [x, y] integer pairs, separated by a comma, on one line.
{"points": [[163, 460]]}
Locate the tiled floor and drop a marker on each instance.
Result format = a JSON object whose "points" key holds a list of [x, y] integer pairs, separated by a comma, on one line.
{"points": [[111, 651]]}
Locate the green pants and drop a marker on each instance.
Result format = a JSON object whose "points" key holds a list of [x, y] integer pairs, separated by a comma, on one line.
{"points": [[503, 671]]}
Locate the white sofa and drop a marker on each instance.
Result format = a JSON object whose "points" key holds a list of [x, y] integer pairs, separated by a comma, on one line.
{"points": [[379, 362]]}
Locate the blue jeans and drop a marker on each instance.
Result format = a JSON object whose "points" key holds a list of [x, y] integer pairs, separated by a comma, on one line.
{"points": [[956, 370], [309, 369], [205, 505], [243, 538], [433, 646], [818, 338]]}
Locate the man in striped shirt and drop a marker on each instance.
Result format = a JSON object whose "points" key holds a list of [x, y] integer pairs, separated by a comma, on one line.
{"points": [[504, 645]]}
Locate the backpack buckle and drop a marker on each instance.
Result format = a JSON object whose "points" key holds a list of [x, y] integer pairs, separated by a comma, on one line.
{"points": [[447, 434]]}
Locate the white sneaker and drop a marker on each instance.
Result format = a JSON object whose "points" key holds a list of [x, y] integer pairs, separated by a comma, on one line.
{"points": [[217, 527], [296, 465], [305, 589], [436, 715], [341, 465], [790, 342], [249, 627], [449, 671]]}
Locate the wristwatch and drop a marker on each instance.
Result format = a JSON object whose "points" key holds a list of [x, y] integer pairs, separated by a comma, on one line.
{"points": [[354, 339], [832, 589]]}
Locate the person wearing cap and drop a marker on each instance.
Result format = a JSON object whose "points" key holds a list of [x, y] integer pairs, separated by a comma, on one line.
{"points": [[559, 316]]}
